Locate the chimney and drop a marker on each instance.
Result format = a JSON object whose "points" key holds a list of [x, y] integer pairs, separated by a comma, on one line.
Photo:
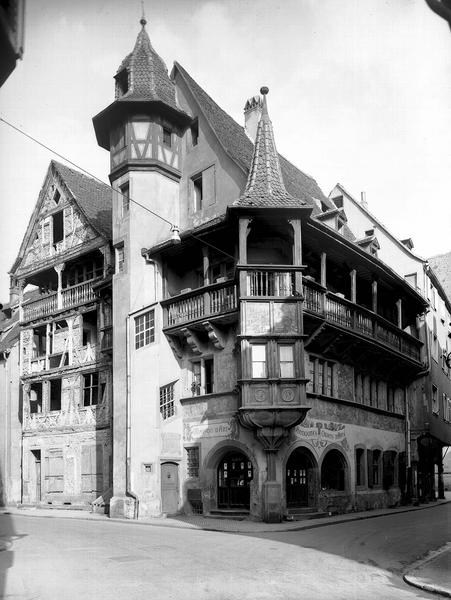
{"points": [[363, 201], [252, 114]]}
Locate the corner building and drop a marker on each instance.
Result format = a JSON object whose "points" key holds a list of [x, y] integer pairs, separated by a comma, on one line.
{"points": [[262, 353]]}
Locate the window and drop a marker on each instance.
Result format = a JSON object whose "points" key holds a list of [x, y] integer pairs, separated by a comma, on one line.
{"points": [[360, 466], [56, 196], [122, 82], [374, 467], [167, 137], [195, 133], [92, 469], [321, 377], [167, 405], [389, 473], [447, 408], [120, 259], [145, 329], [90, 389], [198, 193], [286, 360], [124, 190], [333, 471], [434, 399], [202, 376], [55, 394], [192, 461], [36, 398], [58, 227], [258, 358], [390, 398], [358, 387]]}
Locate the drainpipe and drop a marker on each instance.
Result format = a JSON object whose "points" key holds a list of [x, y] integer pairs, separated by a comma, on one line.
{"points": [[128, 430]]}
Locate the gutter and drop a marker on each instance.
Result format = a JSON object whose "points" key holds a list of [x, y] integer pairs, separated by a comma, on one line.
{"points": [[128, 428]]}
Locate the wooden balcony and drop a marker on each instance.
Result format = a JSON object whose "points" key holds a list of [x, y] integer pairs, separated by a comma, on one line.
{"points": [[47, 305], [279, 284], [345, 314], [206, 302]]}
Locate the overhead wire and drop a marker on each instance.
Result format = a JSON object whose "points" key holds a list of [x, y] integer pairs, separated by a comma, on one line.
{"points": [[118, 191]]}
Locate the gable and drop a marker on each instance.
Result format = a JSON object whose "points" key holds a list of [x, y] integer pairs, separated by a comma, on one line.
{"points": [[57, 226]]}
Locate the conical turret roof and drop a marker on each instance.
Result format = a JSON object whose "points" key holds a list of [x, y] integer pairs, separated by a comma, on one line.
{"points": [[147, 74], [265, 187]]}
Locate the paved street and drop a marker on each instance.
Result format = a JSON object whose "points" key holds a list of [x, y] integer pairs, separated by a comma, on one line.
{"points": [[65, 559]]}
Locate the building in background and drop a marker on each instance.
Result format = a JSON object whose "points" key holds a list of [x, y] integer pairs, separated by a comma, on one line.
{"points": [[65, 341], [264, 355], [12, 16], [428, 417]]}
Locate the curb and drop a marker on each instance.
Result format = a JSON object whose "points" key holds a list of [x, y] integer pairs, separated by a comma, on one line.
{"points": [[204, 527], [419, 582]]}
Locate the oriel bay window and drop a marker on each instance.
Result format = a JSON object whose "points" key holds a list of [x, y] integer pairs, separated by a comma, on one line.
{"points": [[286, 360], [273, 360], [258, 361]]}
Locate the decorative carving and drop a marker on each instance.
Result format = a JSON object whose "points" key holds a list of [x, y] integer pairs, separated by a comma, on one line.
{"points": [[260, 394], [215, 335], [288, 395], [192, 340]]}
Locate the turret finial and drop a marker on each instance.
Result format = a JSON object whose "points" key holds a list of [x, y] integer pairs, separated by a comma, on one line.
{"points": [[143, 18]]}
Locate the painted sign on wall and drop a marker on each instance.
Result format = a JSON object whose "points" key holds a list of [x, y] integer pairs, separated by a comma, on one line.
{"points": [[321, 433]]}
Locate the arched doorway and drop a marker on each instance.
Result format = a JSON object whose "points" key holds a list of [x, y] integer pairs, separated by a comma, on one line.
{"points": [[300, 479], [235, 474], [333, 471]]}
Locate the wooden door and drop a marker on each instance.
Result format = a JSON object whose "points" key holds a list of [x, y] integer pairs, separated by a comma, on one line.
{"points": [[169, 488], [297, 481]]}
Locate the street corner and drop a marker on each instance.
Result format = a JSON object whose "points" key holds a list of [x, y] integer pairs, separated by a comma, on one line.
{"points": [[433, 573]]}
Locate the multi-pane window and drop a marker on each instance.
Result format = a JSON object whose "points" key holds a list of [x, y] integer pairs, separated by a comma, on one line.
{"points": [[120, 259], [192, 461], [90, 389], [167, 405], [145, 329], [286, 360], [321, 373], [258, 358], [360, 466]]}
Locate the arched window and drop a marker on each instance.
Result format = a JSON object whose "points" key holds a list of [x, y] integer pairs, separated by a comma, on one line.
{"points": [[333, 471]]}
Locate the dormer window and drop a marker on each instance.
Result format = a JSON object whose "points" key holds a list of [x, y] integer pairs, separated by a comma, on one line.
{"points": [[167, 137], [122, 82], [338, 201]]}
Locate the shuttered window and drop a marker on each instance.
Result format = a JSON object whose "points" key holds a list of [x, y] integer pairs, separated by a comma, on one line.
{"points": [[54, 471], [92, 469]]}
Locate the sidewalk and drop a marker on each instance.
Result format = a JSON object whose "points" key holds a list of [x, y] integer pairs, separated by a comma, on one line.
{"points": [[213, 524], [433, 574]]}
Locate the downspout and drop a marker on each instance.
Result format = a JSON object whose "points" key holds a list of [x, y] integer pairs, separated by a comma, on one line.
{"points": [[128, 429]]}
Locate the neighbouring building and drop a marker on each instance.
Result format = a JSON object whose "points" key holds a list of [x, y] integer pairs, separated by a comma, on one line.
{"points": [[428, 416], [264, 354], [11, 36], [64, 350]]}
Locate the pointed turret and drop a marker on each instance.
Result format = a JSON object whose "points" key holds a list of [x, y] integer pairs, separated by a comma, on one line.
{"points": [[265, 186]]}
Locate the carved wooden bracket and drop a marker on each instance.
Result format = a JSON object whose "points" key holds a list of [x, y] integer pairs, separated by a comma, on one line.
{"points": [[192, 340], [214, 335]]}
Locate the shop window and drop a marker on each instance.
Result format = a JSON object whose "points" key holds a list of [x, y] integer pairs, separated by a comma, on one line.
{"points": [[333, 471], [258, 359], [54, 471], [145, 329], [360, 466], [55, 394], [167, 403], [91, 389], [92, 469], [192, 461], [286, 360]]}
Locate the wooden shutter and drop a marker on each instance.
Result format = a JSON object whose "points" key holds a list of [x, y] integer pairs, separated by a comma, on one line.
{"points": [[92, 469], [54, 471], [208, 186]]}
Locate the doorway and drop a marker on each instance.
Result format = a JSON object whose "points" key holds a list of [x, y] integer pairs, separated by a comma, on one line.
{"points": [[169, 488], [37, 475], [235, 474], [299, 479]]}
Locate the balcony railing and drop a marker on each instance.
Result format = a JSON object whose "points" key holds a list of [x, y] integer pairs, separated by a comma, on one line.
{"points": [[356, 318], [200, 304], [270, 283], [73, 296]]}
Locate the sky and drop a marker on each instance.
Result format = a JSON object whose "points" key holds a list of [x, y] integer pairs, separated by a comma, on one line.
{"points": [[360, 93]]}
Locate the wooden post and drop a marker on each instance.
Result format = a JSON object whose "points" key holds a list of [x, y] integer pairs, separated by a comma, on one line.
{"points": [[206, 265], [59, 298], [399, 313], [353, 275], [374, 296], [323, 269]]}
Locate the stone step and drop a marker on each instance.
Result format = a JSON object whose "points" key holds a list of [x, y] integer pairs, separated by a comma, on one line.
{"points": [[234, 515], [59, 506], [304, 516], [302, 510]]}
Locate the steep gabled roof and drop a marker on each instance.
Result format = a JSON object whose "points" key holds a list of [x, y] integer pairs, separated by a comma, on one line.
{"points": [[239, 147], [93, 198], [441, 265]]}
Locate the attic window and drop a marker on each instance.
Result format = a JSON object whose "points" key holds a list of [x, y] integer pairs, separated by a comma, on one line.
{"points": [[338, 201], [58, 227], [167, 137], [122, 82], [56, 197]]}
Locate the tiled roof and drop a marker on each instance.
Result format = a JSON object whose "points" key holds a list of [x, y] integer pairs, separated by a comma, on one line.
{"points": [[441, 265], [93, 197], [265, 186], [147, 73]]}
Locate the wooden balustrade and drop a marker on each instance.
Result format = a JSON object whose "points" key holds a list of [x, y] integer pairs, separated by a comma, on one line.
{"points": [[345, 314], [40, 308], [203, 303], [270, 283]]}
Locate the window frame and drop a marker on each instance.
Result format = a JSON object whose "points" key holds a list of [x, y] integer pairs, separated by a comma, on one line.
{"points": [[253, 362], [167, 401], [192, 472], [94, 389], [198, 192], [120, 258], [291, 362], [145, 329]]}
